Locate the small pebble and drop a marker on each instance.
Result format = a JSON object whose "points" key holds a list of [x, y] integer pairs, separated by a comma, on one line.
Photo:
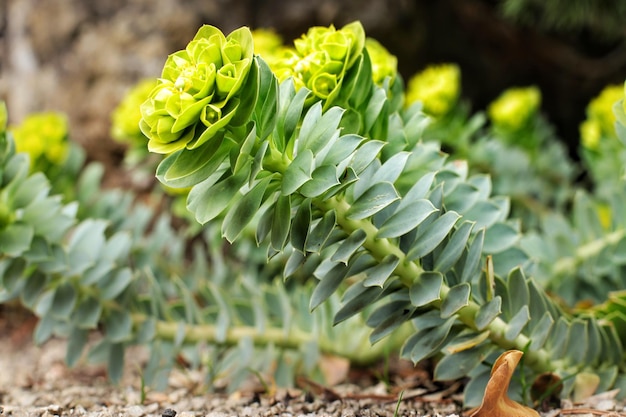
{"points": [[168, 412]]}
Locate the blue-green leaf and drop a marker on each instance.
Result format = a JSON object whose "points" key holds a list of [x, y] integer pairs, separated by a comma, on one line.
{"points": [[500, 237], [116, 284], [517, 323], [426, 342], [209, 199], [372, 201], [462, 199], [378, 275], [341, 150], [244, 210], [115, 364], [87, 314], [245, 149], [457, 298], [281, 222], [328, 285], [64, 301], [426, 289], [15, 239], [186, 168], [75, 344], [322, 179], [298, 172], [454, 248], [365, 297], [460, 364], [488, 312], [406, 219], [300, 225], [391, 169], [319, 235], [519, 295], [317, 129], [118, 326], [365, 154], [471, 264], [350, 245], [432, 235]]}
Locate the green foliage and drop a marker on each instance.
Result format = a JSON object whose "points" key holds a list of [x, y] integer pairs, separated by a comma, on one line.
{"points": [[601, 18], [331, 224]]}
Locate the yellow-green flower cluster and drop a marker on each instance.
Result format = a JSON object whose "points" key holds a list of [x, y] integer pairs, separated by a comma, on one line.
{"points": [[622, 112], [44, 137], [200, 91], [437, 88], [514, 108], [321, 59], [126, 116], [267, 44], [600, 122], [384, 64], [3, 117]]}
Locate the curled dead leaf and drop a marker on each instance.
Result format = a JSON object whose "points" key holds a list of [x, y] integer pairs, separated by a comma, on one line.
{"points": [[496, 402]]}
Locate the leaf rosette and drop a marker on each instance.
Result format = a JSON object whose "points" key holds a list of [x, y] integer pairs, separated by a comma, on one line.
{"points": [[321, 60], [202, 91]]}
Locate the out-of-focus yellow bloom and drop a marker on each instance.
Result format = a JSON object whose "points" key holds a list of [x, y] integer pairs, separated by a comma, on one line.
{"points": [[3, 117], [600, 122], [384, 64], [44, 137], [514, 108], [624, 100], [605, 215], [437, 87], [126, 116], [266, 42], [590, 132]]}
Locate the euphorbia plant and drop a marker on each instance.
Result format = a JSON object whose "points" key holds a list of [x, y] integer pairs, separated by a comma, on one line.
{"points": [[407, 238]]}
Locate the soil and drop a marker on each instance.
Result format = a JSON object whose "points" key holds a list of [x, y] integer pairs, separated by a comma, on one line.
{"points": [[34, 381]]}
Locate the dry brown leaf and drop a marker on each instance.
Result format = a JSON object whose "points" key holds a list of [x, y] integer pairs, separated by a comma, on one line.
{"points": [[496, 402]]}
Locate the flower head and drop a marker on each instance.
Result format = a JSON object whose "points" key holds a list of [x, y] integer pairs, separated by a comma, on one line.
{"points": [[384, 65], [3, 117], [44, 137], [514, 108], [266, 42], [126, 116], [200, 92], [321, 58], [600, 122], [437, 87]]}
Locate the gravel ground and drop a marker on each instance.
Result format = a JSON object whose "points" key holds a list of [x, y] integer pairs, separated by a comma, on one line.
{"points": [[34, 381]]}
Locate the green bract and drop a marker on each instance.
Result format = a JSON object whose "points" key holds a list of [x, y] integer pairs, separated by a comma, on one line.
{"points": [[321, 60], [202, 91]]}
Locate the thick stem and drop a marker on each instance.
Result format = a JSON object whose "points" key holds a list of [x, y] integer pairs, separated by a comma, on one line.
{"points": [[293, 339], [408, 272], [568, 266]]}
